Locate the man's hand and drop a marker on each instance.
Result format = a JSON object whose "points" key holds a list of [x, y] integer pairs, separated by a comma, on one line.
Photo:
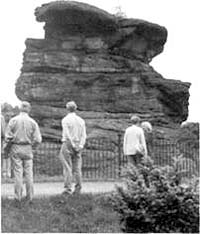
{"points": [[35, 145], [77, 148]]}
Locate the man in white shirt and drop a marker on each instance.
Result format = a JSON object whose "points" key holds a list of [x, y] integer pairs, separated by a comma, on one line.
{"points": [[23, 133], [73, 141], [5, 159], [134, 142]]}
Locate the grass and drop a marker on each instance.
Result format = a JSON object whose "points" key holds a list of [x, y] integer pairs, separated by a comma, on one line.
{"points": [[82, 213]]}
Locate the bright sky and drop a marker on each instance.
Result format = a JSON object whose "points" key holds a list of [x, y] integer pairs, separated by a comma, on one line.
{"points": [[179, 60]]}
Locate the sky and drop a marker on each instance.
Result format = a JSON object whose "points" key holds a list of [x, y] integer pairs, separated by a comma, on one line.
{"points": [[179, 59]]}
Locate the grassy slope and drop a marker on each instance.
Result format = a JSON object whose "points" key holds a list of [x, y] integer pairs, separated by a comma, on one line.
{"points": [[80, 213]]}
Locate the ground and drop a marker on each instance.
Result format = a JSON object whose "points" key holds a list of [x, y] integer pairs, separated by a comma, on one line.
{"points": [[78, 213], [90, 211], [56, 188]]}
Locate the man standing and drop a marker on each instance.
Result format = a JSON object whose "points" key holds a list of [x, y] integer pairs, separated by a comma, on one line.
{"points": [[23, 133], [73, 141], [134, 142], [5, 160], [3, 128], [148, 133]]}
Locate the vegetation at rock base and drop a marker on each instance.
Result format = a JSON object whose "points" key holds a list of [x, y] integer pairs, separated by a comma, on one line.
{"points": [[156, 201]]}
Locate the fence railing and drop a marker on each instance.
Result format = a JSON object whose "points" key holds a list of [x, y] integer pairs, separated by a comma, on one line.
{"points": [[103, 158]]}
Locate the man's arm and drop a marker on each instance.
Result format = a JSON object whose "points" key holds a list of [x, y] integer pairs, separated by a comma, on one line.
{"points": [[3, 127], [143, 143], [66, 132], [83, 137], [125, 142], [37, 138], [9, 135]]}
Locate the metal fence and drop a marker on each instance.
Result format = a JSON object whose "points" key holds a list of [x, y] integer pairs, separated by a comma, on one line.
{"points": [[103, 158]]}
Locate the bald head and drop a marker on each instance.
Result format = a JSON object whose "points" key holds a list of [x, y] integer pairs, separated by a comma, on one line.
{"points": [[25, 107]]}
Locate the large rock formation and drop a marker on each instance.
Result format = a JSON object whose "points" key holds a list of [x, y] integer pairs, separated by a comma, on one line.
{"points": [[101, 62]]}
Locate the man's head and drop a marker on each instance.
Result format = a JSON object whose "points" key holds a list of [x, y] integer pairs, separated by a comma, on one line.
{"points": [[71, 106], [146, 126], [135, 120], [25, 107]]}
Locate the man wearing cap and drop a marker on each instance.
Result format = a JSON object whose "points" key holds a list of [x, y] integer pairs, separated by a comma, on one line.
{"points": [[134, 145], [73, 141], [23, 133]]}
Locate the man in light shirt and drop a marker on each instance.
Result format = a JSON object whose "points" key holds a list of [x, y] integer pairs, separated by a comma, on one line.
{"points": [[5, 160], [134, 142], [23, 133], [73, 141]]}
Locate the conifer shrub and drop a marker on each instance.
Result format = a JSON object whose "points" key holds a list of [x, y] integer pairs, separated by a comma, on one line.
{"points": [[155, 200]]}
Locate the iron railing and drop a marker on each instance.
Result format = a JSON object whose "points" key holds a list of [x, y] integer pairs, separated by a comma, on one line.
{"points": [[103, 158]]}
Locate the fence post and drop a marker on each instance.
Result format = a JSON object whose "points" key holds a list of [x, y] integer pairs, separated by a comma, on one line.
{"points": [[119, 154]]}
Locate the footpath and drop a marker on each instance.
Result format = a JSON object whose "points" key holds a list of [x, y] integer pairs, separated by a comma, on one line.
{"points": [[56, 188]]}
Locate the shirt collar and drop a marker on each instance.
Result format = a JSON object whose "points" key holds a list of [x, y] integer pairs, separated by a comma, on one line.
{"points": [[71, 113], [23, 113]]}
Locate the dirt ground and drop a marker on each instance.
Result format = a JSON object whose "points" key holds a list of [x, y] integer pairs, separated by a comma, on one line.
{"points": [[55, 188]]}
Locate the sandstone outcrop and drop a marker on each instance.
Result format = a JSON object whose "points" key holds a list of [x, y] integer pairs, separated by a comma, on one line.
{"points": [[101, 62]]}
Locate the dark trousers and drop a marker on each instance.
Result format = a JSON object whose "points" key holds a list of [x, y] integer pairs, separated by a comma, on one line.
{"points": [[135, 159]]}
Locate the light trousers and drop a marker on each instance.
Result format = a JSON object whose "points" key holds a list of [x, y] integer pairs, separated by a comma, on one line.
{"points": [[72, 162], [22, 165], [6, 167]]}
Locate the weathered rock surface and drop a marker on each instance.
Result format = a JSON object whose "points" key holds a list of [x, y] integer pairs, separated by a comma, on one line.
{"points": [[102, 63]]}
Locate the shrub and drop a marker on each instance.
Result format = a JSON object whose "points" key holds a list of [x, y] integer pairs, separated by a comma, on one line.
{"points": [[154, 200]]}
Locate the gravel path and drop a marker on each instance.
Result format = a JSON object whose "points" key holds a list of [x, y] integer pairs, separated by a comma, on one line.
{"points": [[55, 188]]}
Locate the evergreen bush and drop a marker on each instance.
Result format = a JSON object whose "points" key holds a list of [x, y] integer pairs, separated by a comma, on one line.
{"points": [[154, 200]]}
